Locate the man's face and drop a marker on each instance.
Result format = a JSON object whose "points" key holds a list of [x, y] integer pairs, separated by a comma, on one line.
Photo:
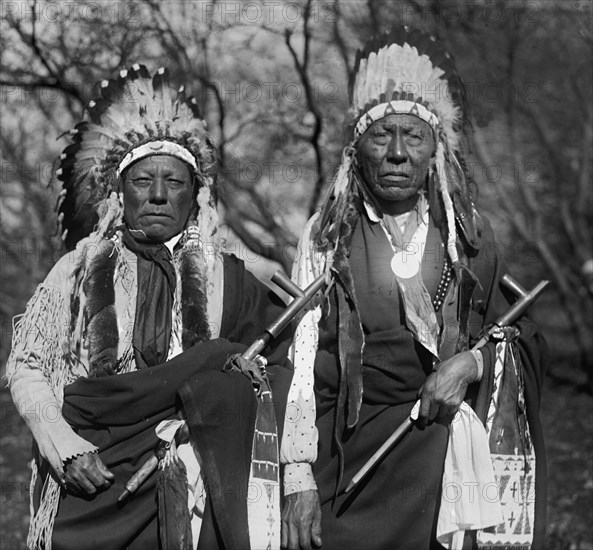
{"points": [[158, 196], [394, 156]]}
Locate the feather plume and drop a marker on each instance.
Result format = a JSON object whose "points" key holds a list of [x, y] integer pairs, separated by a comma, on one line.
{"points": [[408, 64], [173, 514], [442, 172], [131, 109]]}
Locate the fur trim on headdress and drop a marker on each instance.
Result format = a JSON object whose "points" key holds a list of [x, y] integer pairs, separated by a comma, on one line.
{"points": [[100, 315], [133, 111], [194, 273]]}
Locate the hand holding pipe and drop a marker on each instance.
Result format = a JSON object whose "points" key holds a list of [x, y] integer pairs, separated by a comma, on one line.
{"points": [[512, 314], [301, 299]]}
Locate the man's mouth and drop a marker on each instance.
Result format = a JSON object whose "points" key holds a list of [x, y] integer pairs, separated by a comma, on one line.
{"points": [[156, 214], [395, 176]]}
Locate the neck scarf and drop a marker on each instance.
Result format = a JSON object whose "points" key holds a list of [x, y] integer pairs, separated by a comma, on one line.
{"points": [[408, 249], [156, 290]]}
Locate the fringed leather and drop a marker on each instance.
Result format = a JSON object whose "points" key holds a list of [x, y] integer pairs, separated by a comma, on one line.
{"points": [[351, 341], [44, 317], [42, 522], [350, 334], [343, 349], [47, 317]]}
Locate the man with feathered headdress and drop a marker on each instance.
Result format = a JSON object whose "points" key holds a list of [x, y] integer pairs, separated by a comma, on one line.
{"points": [[140, 315], [413, 277]]}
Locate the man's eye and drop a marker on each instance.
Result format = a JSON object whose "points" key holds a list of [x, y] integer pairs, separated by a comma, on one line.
{"points": [[141, 181], [175, 183]]}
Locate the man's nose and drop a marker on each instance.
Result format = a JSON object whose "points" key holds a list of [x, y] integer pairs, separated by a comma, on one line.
{"points": [[158, 191], [397, 152]]}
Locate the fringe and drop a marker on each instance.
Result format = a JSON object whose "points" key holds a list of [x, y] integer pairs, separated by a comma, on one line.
{"points": [[44, 326], [42, 522], [50, 326]]}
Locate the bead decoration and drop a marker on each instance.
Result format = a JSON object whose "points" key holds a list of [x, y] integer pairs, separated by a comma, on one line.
{"points": [[443, 285]]}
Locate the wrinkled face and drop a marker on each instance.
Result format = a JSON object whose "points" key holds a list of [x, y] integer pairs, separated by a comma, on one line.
{"points": [[394, 155], [158, 196]]}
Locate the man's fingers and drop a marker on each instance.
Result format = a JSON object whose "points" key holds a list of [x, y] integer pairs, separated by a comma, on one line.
{"points": [[284, 535], [427, 410], [290, 535], [424, 407], [105, 472], [80, 485], [316, 531], [305, 536], [86, 474], [98, 474], [293, 538]]}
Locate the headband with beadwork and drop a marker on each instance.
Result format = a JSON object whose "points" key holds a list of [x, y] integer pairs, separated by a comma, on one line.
{"points": [[405, 71], [136, 115]]}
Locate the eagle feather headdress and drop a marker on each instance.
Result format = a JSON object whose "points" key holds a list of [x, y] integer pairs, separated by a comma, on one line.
{"points": [[405, 71], [134, 116]]}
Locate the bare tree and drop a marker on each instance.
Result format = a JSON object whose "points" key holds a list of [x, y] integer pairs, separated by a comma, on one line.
{"points": [[277, 149]]}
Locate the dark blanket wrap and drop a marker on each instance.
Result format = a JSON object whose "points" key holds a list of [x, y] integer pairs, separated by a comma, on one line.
{"points": [[119, 414], [396, 506]]}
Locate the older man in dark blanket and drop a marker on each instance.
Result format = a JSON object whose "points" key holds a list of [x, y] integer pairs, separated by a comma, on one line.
{"points": [[137, 323], [414, 277]]}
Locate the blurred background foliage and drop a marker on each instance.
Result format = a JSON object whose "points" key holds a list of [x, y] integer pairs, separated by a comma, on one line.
{"points": [[271, 78]]}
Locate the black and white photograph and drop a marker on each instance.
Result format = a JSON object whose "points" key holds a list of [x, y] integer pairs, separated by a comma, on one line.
{"points": [[296, 275]]}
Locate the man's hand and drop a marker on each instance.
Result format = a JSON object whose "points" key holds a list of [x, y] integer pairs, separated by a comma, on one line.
{"points": [[301, 521], [445, 388], [86, 475]]}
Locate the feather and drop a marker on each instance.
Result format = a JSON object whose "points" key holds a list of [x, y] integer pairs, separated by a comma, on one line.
{"points": [[128, 110], [412, 65], [162, 97], [173, 514], [442, 172]]}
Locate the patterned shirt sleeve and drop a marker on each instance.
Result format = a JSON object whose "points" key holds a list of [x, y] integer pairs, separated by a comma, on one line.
{"points": [[299, 442]]}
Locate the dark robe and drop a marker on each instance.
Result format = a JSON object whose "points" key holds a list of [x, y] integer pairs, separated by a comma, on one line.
{"points": [[396, 505], [119, 414]]}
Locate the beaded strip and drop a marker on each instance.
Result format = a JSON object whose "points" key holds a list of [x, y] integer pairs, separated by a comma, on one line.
{"points": [[443, 285]]}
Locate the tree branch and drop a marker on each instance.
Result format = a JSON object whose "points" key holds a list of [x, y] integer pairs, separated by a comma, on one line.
{"points": [[54, 80], [302, 70], [339, 40]]}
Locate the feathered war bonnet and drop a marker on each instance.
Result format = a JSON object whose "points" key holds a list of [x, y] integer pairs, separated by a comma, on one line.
{"points": [[135, 116], [406, 71]]}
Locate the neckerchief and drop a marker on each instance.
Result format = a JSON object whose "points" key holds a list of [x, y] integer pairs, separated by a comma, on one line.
{"points": [[154, 303], [408, 249]]}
